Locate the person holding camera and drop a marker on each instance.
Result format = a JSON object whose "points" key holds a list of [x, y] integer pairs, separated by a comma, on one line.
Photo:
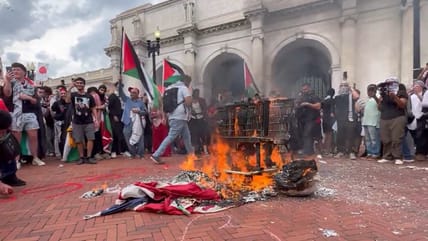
{"points": [[393, 120]]}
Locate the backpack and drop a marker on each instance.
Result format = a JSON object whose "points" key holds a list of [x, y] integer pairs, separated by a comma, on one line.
{"points": [[170, 100]]}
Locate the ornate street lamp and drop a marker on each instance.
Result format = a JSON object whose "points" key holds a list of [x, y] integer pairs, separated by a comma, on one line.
{"points": [[153, 48], [30, 70]]}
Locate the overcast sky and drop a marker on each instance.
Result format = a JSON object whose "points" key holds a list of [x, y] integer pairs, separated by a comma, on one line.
{"points": [[68, 35]]}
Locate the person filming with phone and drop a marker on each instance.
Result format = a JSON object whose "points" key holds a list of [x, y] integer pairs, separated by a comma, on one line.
{"points": [[25, 101]]}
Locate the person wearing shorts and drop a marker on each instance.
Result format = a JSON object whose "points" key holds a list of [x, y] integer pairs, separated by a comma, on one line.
{"points": [[84, 120], [25, 105]]}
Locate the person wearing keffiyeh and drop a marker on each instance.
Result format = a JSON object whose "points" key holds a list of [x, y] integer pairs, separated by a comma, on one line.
{"points": [[346, 118]]}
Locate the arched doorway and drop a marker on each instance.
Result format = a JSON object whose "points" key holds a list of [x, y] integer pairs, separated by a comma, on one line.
{"points": [[224, 76], [302, 61]]}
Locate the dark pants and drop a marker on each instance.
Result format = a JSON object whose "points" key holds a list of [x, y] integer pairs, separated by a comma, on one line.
{"points": [[98, 143], [7, 168], [347, 137], [391, 135], [420, 137], [308, 137], [118, 144], [199, 133]]}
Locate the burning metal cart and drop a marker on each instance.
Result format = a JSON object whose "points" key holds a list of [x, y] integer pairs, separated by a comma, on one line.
{"points": [[253, 127]]}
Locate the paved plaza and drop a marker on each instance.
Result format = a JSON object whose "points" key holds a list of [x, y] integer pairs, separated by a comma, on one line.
{"points": [[357, 200]]}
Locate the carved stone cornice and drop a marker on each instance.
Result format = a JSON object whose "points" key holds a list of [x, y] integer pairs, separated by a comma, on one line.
{"points": [[171, 40], [112, 49], [192, 29], [255, 13], [225, 26], [138, 42], [319, 5]]}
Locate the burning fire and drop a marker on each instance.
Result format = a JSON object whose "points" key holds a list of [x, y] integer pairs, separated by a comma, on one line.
{"points": [[225, 157]]}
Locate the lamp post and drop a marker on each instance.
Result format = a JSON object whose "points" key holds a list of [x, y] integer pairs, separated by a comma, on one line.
{"points": [[153, 48], [30, 70]]}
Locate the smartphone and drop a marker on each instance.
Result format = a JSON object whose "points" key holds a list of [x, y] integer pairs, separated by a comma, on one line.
{"points": [[8, 69]]}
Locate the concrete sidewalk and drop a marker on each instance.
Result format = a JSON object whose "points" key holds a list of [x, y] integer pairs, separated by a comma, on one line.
{"points": [[358, 200]]}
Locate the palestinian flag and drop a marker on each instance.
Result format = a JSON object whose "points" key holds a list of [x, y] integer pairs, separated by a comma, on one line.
{"points": [[70, 153], [25, 147], [106, 132], [133, 73], [250, 87], [171, 74]]}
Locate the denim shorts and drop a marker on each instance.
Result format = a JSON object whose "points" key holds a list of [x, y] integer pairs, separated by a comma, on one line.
{"points": [[25, 121]]}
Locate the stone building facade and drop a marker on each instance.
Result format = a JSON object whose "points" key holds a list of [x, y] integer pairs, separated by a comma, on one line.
{"points": [[284, 43]]}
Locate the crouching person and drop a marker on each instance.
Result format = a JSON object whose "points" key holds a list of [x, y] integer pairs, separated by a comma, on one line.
{"points": [[10, 150]]}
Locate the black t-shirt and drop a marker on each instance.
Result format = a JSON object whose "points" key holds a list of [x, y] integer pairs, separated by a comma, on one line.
{"points": [[306, 113], [60, 108], [341, 109], [389, 109], [82, 105]]}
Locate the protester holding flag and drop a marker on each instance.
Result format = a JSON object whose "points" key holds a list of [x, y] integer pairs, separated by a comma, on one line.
{"points": [[84, 120], [133, 112]]}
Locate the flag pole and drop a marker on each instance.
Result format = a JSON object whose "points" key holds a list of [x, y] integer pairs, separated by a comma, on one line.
{"points": [[121, 56]]}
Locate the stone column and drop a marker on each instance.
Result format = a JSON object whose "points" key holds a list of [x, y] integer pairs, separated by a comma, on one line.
{"points": [[256, 18], [138, 37], [189, 39], [406, 43], [114, 51], [349, 29]]}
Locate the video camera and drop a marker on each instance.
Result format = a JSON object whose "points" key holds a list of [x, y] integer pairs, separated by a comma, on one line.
{"points": [[388, 87]]}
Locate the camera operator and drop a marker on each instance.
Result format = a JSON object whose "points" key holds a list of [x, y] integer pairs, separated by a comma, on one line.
{"points": [[392, 107]]}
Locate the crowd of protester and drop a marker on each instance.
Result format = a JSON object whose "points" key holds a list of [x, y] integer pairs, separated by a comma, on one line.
{"points": [[389, 125]]}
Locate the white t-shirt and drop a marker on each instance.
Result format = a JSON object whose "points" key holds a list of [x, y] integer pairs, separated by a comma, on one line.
{"points": [[181, 112]]}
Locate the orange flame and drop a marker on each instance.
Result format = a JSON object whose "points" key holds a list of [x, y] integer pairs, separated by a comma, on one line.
{"points": [[226, 156]]}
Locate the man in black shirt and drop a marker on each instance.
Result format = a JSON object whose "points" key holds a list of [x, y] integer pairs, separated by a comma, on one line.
{"points": [[115, 115], [308, 107], [393, 119], [84, 119], [59, 109]]}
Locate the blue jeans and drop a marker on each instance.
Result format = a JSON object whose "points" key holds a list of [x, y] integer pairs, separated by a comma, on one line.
{"points": [[407, 154], [372, 139], [176, 128], [138, 148]]}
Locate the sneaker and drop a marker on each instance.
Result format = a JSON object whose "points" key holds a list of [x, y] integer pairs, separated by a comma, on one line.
{"points": [[80, 161], [13, 181], [38, 162], [23, 161], [383, 161], [127, 154], [98, 156], [106, 156], [91, 160], [399, 162], [113, 155], [409, 161], [338, 155], [18, 165], [156, 160], [352, 156]]}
